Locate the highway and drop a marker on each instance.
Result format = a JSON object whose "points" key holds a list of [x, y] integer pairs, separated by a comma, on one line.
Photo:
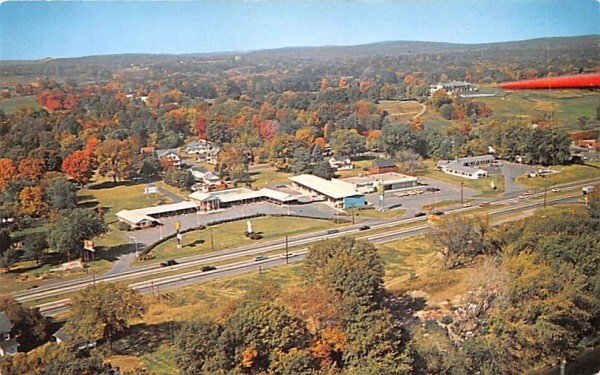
{"points": [[246, 266]]}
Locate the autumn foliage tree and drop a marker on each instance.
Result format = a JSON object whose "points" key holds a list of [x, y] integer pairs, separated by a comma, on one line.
{"points": [[115, 159], [32, 202], [7, 171], [79, 166], [31, 169]]}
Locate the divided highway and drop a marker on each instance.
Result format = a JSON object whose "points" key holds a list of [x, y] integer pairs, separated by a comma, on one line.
{"points": [[186, 278]]}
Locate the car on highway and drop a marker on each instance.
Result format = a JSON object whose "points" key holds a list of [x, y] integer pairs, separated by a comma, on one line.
{"points": [[167, 263], [288, 255], [208, 268], [258, 258], [418, 214], [484, 204], [555, 190], [364, 227], [437, 213], [332, 231]]}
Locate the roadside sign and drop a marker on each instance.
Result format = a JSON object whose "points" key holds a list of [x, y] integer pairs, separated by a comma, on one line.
{"points": [[177, 225], [150, 189], [88, 245]]}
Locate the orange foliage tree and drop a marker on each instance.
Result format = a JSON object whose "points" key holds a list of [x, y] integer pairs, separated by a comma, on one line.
{"points": [[7, 171], [115, 159], [32, 201], [79, 166], [31, 169]]}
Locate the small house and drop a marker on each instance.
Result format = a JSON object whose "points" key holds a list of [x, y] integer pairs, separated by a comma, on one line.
{"points": [[170, 154], [62, 337], [8, 341], [383, 166], [340, 163]]}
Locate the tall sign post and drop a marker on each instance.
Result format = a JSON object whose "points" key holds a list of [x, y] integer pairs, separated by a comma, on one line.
{"points": [[381, 194], [178, 234]]}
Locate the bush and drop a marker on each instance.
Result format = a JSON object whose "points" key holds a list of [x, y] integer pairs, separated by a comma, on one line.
{"points": [[447, 319], [124, 227], [255, 236]]}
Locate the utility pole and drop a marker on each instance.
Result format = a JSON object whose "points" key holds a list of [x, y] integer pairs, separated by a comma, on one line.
{"points": [[352, 215], [286, 250], [462, 185], [212, 241], [545, 192]]}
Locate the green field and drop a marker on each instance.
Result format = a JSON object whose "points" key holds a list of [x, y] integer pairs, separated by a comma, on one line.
{"points": [[269, 176], [401, 111], [231, 235], [9, 106], [432, 121], [568, 173], [567, 105]]}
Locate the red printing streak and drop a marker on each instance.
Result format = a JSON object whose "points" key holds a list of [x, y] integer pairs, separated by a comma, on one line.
{"points": [[576, 81]]}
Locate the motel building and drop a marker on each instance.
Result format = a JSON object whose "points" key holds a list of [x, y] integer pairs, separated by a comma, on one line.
{"points": [[466, 167], [210, 201], [390, 181], [337, 193], [147, 217]]}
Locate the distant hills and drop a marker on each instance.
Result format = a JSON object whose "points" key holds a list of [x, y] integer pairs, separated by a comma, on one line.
{"points": [[389, 48]]}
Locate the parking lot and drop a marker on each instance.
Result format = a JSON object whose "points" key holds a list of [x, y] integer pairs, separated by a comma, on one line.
{"points": [[413, 203]]}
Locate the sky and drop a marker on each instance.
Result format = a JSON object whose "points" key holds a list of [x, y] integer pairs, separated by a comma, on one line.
{"points": [[34, 30]]}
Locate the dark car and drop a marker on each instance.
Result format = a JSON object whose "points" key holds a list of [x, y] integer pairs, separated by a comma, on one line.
{"points": [[332, 231], [364, 227], [437, 213], [432, 189], [167, 263], [208, 268], [419, 214], [258, 258]]}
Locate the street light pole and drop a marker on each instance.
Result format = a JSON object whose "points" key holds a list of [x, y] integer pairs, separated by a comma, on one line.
{"points": [[286, 250], [212, 241]]}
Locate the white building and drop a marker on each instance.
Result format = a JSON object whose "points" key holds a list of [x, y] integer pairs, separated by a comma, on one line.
{"points": [[337, 193], [452, 87], [148, 216], [340, 163], [390, 181], [466, 167], [170, 154], [209, 201]]}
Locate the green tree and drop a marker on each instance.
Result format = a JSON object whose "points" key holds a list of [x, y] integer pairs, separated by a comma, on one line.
{"points": [[34, 246], [71, 228], [323, 169], [301, 161], [347, 142], [197, 348], [102, 310], [30, 327], [396, 137], [61, 193]]}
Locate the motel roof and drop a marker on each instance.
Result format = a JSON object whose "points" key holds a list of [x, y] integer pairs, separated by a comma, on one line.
{"points": [[236, 195], [141, 214], [457, 167], [479, 158], [335, 189]]}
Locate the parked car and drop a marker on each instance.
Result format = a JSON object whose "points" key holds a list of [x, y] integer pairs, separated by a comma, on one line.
{"points": [[258, 258], [167, 263], [418, 214], [208, 268], [432, 189], [332, 231], [364, 227]]}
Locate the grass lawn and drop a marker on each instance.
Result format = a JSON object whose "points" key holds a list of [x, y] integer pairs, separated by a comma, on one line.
{"points": [[358, 169], [230, 235], [569, 173], [567, 105], [113, 198], [269, 176], [401, 111], [432, 120], [481, 184], [9, 106], [437, 205]]}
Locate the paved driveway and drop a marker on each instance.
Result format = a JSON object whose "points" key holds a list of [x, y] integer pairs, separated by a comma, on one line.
{"points": [[511, 171], [150, 235]]}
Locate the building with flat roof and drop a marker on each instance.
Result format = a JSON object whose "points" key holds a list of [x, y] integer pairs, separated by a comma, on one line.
{"points": [[390, 181], [148, 216], [337, 193], [466, 167]]}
